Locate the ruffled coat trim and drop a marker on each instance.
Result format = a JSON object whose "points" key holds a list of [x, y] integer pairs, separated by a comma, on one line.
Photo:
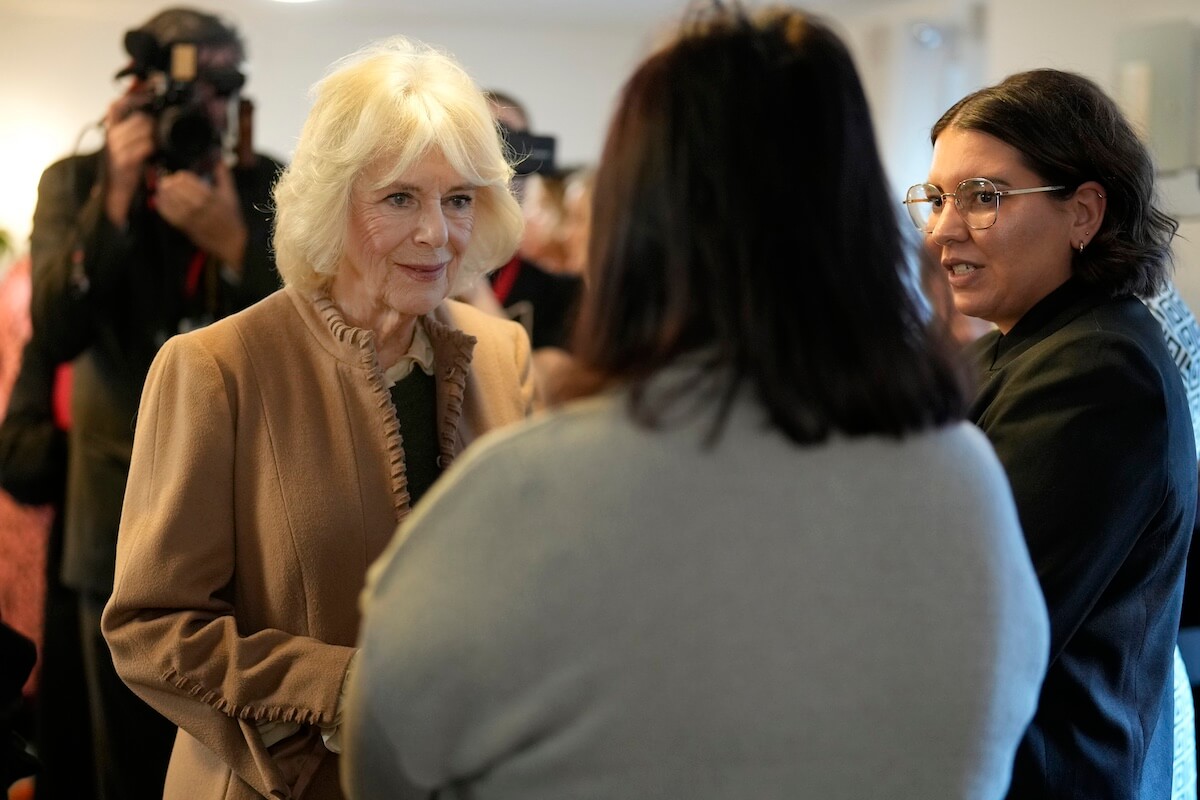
{"points": [[452, 350], [214, 698]]}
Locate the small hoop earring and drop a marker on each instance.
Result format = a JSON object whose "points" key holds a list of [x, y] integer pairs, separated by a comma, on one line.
{"points": [[1080, 247]]}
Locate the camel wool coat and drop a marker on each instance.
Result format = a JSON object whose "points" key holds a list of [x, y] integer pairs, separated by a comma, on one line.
{"points": [[267, 474]]}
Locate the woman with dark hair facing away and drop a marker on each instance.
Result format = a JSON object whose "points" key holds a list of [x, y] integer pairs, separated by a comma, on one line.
{"points": [[765, 557], [1040, 207]]}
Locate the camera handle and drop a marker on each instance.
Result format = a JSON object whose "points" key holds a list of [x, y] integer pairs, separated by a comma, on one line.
{"points": [[244, 149]]}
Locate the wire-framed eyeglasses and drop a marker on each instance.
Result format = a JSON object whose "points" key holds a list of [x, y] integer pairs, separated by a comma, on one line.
{"points": [[977, 201]]}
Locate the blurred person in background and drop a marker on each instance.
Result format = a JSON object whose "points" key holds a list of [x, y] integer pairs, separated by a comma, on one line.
{"points": [[542, 206], [33, 471], [577, 219], [545, 302], [161, 230]]}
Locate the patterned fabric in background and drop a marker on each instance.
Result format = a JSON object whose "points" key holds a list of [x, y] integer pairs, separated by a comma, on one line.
{"points": [[1183, 340]]}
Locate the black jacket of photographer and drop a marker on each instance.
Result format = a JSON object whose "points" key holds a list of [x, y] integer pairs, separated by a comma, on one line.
{"points": [[107, 299]]}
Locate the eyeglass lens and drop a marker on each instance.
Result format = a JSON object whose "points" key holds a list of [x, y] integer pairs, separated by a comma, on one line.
{"points": [[975, 198]]}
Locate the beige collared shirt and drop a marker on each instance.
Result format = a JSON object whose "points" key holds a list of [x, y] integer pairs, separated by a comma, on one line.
{"points": [[420, 354]]}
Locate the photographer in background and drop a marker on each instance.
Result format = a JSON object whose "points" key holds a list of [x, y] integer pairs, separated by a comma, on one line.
{"points": [[157, 233], [528, 288], [542, 300]]}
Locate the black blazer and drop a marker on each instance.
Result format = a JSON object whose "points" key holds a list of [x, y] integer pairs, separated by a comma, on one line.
{"points": [[546, 303], [1088, 414]]}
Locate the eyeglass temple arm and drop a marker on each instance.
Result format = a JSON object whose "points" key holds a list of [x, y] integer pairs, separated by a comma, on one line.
{"points": [[1007, 192]]}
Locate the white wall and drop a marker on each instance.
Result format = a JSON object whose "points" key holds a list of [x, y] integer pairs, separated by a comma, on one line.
{"points": [[56, 74], [910, 84]]}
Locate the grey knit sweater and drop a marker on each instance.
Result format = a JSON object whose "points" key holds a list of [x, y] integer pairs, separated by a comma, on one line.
{"points": [[585, 609]]}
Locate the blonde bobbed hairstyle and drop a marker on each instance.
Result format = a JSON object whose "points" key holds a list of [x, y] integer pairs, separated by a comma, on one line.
{"points": [[396, 99]]}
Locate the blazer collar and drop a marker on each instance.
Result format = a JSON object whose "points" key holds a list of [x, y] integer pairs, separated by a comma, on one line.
{"points": [[356, 346], [1048, 315]]}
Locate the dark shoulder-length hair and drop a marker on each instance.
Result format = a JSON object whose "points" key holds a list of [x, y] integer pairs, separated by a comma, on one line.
{"points": [[1069, 131], [741, 212]]}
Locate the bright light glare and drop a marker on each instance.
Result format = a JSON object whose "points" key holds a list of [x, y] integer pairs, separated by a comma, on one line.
{"points": [[26, 148]]}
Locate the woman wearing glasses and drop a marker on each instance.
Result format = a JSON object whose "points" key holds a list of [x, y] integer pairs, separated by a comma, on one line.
{"points": [[1039, 206]]}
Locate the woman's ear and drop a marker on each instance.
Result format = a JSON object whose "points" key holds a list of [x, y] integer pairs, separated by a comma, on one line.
{"points": [[1087, 212]]}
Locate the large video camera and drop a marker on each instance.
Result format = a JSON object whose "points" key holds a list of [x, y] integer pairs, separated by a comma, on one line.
{"points": [[184, 133]]}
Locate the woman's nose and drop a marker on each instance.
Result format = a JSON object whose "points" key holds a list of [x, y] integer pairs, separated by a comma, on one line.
{"points": [[947, 226], [431, 227]]}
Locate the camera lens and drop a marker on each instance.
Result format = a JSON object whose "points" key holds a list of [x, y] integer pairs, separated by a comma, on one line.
{"points": [[186, 137]]}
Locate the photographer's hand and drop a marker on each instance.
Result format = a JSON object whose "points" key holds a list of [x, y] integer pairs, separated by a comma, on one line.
{"points": [[129, 142], [210, 216]]}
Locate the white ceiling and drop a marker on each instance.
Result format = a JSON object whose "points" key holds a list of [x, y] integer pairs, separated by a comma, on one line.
{"points": [[562, 11], [567, 13]]}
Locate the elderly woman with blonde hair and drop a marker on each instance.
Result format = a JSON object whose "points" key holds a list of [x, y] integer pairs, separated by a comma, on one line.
{"points": [[277, 450]]}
